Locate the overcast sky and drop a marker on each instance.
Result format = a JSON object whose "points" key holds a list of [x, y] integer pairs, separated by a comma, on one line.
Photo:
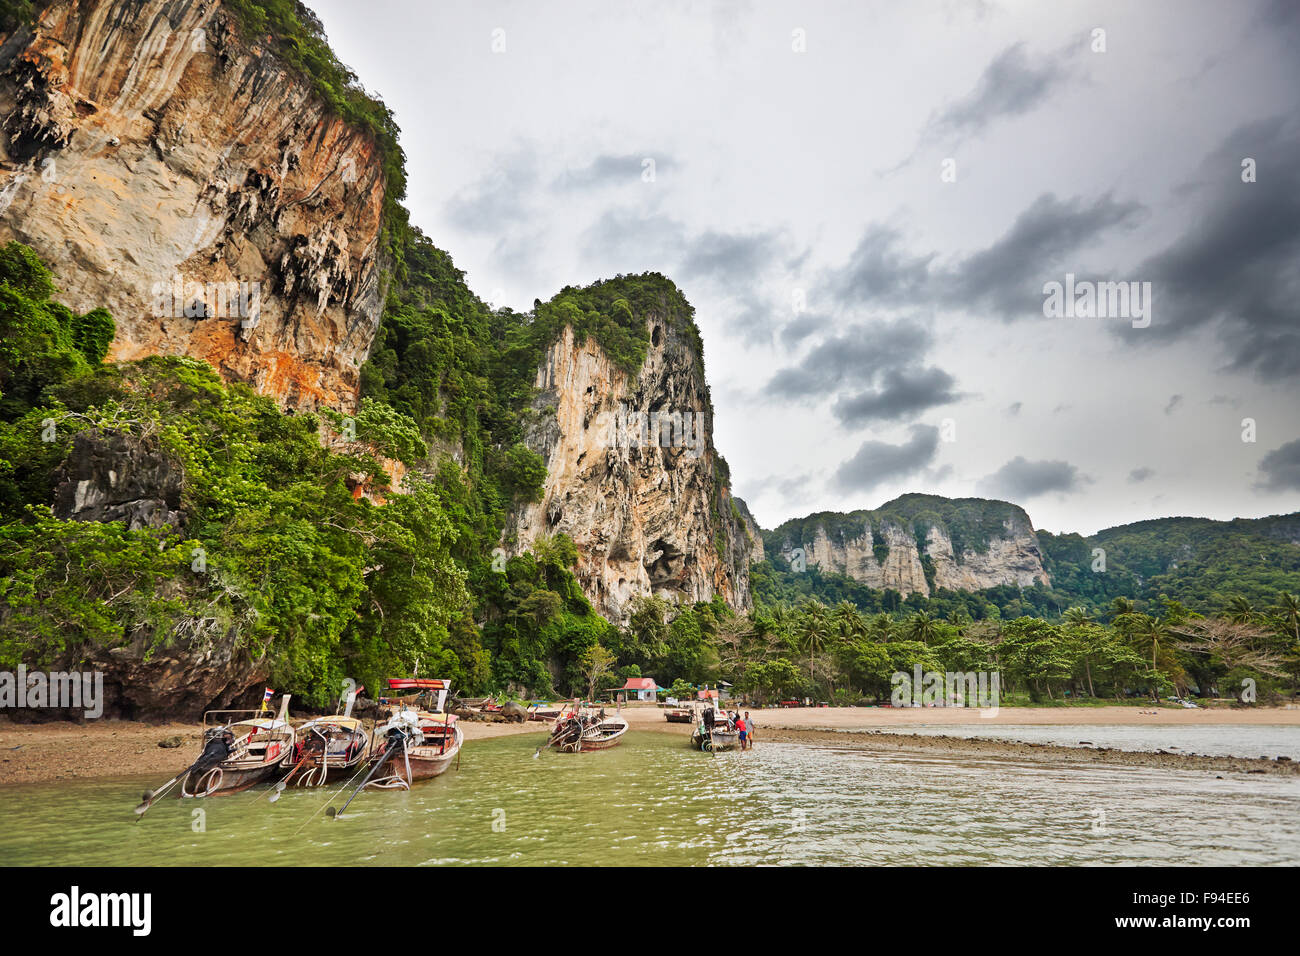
{"points": [[873, 314]]}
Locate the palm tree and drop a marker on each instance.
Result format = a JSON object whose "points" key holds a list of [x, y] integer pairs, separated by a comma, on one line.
{"points": [[1150, 630], [814, 631], [960, 620], [848, 621], [1288, 609], [922, 626], [1121, 607], [881, 628], [1077, 616], [1239, 610]]}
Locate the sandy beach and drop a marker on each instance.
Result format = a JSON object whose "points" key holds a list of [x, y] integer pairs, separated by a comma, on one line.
{"points": [[63, 750]]}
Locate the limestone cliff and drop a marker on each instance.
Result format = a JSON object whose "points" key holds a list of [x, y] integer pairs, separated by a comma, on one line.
{"points": [[919, 544], [632, 474], [173, 170]]}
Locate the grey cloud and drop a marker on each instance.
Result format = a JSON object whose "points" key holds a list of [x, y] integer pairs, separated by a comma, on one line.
{"points": [[878, 270], [805, 325], [612, 170], [1019, 479], [1006, 278], [1237, 269], [1174, 402], [1011, 85], [903, 392], [502, 197], [1014, 409], [854, 358], [633, 241], [727, 258], [877, 462], [1280, 469], [1139, 475]]}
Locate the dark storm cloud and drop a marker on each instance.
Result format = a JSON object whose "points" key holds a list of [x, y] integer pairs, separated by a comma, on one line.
{"points": [[1139, 475], [805, 325], [902, 392], [1012, 84], [1237, 266], [1005, 279], [1019, 479], [1280, 469], [878, 270], [612, 170], [853, 358], [877, 462]]}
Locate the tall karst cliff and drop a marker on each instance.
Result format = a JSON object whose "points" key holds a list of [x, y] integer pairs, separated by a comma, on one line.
{"points": [[632, 474], [170, 168], [167, 162], [919, 544]]}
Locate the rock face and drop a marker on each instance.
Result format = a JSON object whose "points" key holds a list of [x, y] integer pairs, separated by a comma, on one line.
{"points": [[111, 476], [919, 544], [140, 685], [172, 170], [633, 477]]}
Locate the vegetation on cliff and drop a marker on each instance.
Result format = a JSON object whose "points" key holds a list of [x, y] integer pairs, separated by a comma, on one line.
{"points": [[280, 553]]}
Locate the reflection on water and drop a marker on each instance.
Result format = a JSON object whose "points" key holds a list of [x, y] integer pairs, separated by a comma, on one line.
{"points": [[1254, 740], [655, 801]]}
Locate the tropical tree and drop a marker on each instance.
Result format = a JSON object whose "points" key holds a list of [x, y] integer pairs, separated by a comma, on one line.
{"points": [[596, 663], [921, 626]]}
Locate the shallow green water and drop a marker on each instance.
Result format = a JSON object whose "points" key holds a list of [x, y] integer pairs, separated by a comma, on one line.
{"points": [[655, 801]]}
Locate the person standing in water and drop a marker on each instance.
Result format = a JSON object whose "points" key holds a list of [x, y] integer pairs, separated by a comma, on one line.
{"points": [[749, 727]]}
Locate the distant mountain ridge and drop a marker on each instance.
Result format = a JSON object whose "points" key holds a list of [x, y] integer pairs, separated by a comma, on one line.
{"points": [[921, 545]]}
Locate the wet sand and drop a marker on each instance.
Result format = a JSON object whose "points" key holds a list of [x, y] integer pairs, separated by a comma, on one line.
{"points": [[64, 750], [31, 753]]}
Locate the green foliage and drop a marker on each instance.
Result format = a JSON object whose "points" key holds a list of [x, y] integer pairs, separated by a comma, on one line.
{"points": [[42, 342], [14, 13], [299, 40], [294, 570]]}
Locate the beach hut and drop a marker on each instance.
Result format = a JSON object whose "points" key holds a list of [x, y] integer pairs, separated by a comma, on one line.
{"points": [[639, 688]]}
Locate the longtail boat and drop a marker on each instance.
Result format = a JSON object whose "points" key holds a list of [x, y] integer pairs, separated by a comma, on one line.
{"points": [[238, 754], [679, 715], [328, 747], [719, 734], [577, 730], [415, 744]]}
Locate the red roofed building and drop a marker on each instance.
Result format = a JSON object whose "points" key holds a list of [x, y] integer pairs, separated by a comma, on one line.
{"points": [[640, 688]]}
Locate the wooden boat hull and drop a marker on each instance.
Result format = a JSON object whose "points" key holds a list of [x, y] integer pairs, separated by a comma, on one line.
{"points": [[719, 740], [425, 763], [317, 772], [603, 744], [685, 718], [223, 780]]}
